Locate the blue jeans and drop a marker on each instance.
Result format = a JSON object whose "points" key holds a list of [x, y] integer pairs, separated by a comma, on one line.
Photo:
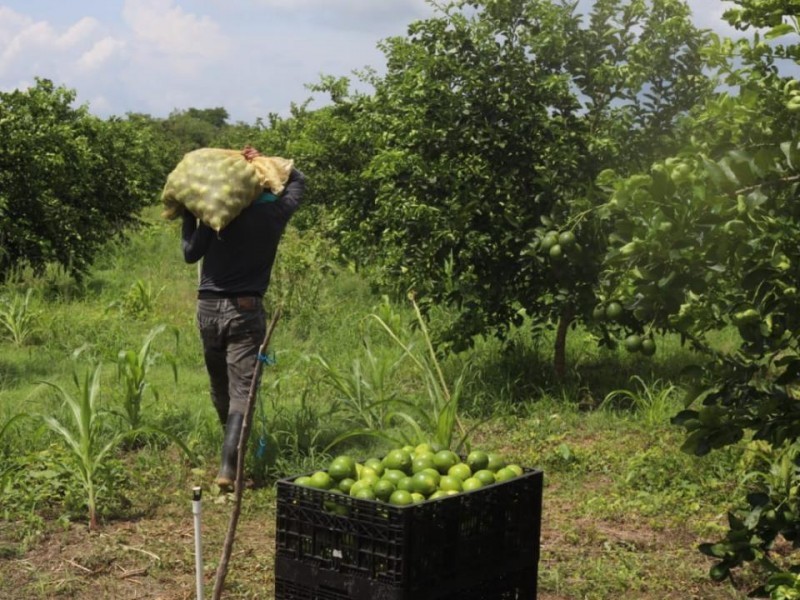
{"points": [[232, 330]]}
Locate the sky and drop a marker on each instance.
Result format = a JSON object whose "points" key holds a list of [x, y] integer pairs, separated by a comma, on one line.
{"points": [[252, 57]]}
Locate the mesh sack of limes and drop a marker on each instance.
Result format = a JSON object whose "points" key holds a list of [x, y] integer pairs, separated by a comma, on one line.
{"points": [[216, 184], [412, 474]]}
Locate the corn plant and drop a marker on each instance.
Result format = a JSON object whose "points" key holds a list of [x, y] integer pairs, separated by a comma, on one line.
{"points": [[82, 432], [18, 318], [132, 371]]}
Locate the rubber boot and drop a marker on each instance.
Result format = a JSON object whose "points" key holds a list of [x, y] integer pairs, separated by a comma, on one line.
{"points": [[227, 470]]}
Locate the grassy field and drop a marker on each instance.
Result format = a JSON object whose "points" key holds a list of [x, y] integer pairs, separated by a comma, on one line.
{"points": [[624, 509]]}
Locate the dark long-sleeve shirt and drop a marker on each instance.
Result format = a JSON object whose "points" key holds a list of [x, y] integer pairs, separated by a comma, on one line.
{"points": [[238, 260]]}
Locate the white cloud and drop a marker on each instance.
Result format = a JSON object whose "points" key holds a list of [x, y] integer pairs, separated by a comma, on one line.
{"points": [[100, 54], [79, 32], [11, 23], [379, 17], [173, 32]]}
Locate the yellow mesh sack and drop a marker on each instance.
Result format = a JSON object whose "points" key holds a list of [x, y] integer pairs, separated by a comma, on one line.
{"points": [[215, 184]]}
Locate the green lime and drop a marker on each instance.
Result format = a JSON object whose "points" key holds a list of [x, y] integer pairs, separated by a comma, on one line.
{"points": [[473, 483], [648, 347], [401, 498], [345, 484], [444, 460], [549, 240], [405, 484], [613, 310], [375, 464], [461, 470], [368, 473], [433, 473], [383, 489], [303, 480], [421, 462], [321, 480], [477, 460], [423, 483], [633, 343], [485, 476], [393, 475], [364, 493], [505, 474], [370, 477], [423, 448], [342, 467], [556, 252], [448, 482], [359, 485], [417, 497], [516, 468], [599, 312], [438, 494], [566, 239], [496, 462], [399, 459]]}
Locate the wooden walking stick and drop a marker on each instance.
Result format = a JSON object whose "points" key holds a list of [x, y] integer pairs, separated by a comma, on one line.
{"points": [[227, 548]]}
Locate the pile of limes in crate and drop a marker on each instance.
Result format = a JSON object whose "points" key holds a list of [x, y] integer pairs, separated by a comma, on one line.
{"points": [[411, 474]]}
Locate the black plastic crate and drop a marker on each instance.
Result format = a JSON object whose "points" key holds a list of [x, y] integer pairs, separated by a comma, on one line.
{"points": [[295, 580], [330, 543]]}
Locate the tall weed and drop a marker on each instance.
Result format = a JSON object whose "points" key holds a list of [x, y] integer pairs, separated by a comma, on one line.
{"points": [[653, 403], [289, 435], [365, 390], [18, 318], [433, 416], [140, 300]]}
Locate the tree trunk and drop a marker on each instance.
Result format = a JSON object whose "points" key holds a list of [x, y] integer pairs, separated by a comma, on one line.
{"points": [[560, 350]]}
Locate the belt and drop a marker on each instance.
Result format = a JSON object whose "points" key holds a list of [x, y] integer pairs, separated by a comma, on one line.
{"points": [[245, 302]]}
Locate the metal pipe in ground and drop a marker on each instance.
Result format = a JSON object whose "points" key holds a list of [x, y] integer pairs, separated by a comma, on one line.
{"points": [[197, 493]]}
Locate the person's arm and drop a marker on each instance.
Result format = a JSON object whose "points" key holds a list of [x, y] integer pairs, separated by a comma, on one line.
{"points": [[292, 194], [195, 238]]}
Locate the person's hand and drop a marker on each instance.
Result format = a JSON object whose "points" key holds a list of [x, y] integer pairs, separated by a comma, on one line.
{"points": [[250, 153]]}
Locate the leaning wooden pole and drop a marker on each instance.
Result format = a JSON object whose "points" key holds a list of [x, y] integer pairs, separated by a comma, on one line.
{"points": [[227, 548]]}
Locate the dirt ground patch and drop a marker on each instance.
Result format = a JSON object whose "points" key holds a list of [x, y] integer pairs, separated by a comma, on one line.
{"points": [[150, 558]]}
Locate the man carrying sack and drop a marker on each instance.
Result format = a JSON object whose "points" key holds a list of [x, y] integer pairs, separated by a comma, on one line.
{"points": [[236, 270]]}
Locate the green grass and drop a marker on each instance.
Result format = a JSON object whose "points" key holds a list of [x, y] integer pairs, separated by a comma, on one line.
{"points": [[624, 509]]}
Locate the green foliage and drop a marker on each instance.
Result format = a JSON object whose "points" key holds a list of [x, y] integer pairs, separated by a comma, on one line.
{"points": [[654, 403], [69, 180], [18, 318], [39, 480], [304, 260], [194, 128], [289, 437], [132, 372], [365, 391], [483, 140], [706, 240], [772, 509], [82, 432], [432, 418], [139, 302]]}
